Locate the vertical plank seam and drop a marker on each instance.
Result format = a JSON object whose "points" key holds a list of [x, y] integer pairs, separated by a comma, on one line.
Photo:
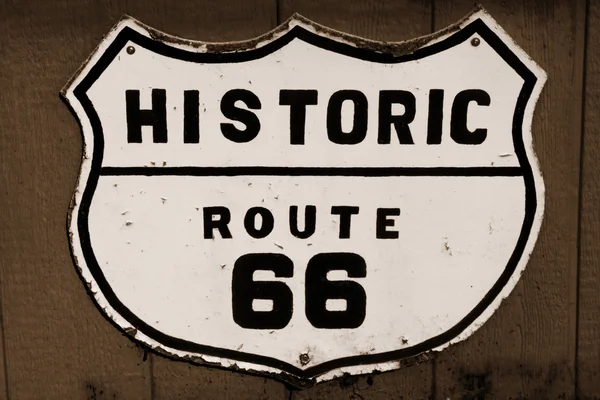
{"points": [[434, 360], [433, 378], [432, 6], [277, 12], [580, 194], [3, 344], [152, 383]]}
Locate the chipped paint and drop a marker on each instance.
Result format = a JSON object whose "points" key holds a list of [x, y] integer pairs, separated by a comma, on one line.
{"points": [[282, 352]]}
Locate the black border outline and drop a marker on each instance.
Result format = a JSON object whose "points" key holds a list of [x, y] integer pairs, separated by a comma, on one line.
{"points": [[129, 35], [311, 171]]}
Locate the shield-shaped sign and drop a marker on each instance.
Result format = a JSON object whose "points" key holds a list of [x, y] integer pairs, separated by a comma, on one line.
{"points": [[308, 203]]}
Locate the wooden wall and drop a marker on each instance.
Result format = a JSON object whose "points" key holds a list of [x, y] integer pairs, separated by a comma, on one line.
{"points": [[543, 342]]}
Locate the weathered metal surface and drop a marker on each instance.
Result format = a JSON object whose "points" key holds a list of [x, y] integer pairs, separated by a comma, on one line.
{"points": [[396, 187]]}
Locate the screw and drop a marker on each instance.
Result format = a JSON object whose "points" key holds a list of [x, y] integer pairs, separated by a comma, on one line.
{"points": [[304, 359], [475, 42], [130, 49]]}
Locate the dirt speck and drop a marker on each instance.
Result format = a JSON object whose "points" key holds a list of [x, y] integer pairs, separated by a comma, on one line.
{"points": [[446, 246]]}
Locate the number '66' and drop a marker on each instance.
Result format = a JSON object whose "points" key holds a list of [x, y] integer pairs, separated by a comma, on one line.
{"points": [[317, 291]]}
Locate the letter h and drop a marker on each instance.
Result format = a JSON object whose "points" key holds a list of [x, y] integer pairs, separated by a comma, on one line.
{"points": [[155, 117]]}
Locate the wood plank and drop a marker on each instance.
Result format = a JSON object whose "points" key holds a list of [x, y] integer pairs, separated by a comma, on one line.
{"points": [[526, 350], [3, 367], [58, 346], [208, 21], [588, 350], [387, 21], [181, 380], [379, 20]]}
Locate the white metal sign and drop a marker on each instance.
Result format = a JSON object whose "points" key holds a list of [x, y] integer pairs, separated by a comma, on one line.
{"points": [[308, 203]]}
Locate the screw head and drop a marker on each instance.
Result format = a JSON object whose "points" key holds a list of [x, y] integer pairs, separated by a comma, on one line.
{"points": [[304, 359], [130, 49], [475, 42]]}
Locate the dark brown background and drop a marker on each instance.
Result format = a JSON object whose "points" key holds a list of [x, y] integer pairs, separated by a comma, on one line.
{"points": [[543, 342]]}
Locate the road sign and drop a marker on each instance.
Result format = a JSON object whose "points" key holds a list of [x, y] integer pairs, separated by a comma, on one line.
{"points": [[308, 203]]}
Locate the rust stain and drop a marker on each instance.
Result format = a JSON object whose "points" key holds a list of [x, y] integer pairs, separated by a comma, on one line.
{"points": [[391, 48], [384, 47]]}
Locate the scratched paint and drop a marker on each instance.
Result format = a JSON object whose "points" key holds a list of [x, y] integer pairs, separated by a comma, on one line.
{"points": [[306, 204]]}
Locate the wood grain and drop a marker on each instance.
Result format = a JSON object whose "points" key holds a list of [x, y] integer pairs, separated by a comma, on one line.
{"points": [[58, 346], [180, 380], [3, 367], [527, 349], [388, 21], [588, 350]]}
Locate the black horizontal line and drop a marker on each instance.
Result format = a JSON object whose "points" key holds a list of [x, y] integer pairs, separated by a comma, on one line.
{"points": [[313, 171]]}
